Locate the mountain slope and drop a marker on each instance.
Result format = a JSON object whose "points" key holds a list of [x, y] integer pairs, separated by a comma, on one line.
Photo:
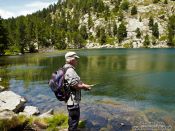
{"points": [[95, 23]]}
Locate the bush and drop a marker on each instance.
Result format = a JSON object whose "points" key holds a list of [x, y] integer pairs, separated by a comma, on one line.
{"points": [[155, 1], [110, 40], [128, 45], [134, 10], [124, 5], [163, 38], [60, 120], [146, 42], [138, 33]]}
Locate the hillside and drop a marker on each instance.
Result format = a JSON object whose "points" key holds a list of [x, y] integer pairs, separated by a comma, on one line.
{"points": [[94, 24]]}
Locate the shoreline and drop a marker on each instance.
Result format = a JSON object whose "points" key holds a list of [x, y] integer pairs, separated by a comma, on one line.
{"points": [[91, 46], [108, 115]]}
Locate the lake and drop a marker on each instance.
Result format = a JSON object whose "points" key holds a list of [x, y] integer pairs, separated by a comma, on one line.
{"points": [[143, 79]]}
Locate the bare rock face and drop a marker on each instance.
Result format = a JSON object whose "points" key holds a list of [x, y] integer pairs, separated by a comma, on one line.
{"points": [[31, 110], [11, 101]]}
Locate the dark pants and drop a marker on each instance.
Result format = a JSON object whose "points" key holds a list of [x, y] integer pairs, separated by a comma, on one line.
{"points": [[74, 116]]}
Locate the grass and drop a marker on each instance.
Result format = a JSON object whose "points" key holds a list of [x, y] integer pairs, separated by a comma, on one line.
{"points": [[54, 123], [59, 120], [16, 123]]}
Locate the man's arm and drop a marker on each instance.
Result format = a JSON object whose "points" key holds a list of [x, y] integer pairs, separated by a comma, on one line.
{"points": [[82, 85]]}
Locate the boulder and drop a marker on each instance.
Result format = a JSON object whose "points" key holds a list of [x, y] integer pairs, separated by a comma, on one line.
{"points": [[7, 115], [47, 114], [31, 110], [2, 88], [11, 101]]}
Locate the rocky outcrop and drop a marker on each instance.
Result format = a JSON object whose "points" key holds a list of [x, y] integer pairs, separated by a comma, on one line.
{"points": [[6, 115], [11, 101], [31, 110]]}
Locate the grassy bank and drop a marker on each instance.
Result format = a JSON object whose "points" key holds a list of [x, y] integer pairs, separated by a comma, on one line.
{"points": [[21, 122]]}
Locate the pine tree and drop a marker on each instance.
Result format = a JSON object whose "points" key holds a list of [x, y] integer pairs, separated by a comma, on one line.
{"points": [[134, 10], [124, 5], [138, 33], [151, 22], [171, 31], [3, 37], [122, 33], [120, 15], [165, 1], [83, 32], [102, 37], [155, 30], [90, 22], [115, 29], [146, 42], [155, 1]]}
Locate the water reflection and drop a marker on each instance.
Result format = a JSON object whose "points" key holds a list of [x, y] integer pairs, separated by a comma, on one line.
{"points": [[127, 75]]}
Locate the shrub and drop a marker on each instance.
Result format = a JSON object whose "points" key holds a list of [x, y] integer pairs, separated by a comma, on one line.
{"points": [[124, 5], [134, 10]]}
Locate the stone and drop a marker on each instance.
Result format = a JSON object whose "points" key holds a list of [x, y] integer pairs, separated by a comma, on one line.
{"points": [[133, 24], [11, 101], [7, 115], [2, 88], [31, 110], [47, 114]]}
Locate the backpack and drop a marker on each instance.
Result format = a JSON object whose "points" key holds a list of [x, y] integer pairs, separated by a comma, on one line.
{"points": [[59, 86]]}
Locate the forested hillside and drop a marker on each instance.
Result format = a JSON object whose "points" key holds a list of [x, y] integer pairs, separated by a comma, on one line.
{"points": [[91, 23]]}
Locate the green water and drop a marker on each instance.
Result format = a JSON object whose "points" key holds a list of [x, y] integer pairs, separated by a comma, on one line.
{"points": [[142, 78]]}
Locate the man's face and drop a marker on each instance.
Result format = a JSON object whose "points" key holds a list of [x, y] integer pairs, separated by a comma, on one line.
{"points": [[74, 62]]}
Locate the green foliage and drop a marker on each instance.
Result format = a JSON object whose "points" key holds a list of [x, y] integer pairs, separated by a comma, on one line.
{"points": [[82, 124], [124, 5], [128, 45], [140, 19], [110, 40], [154, 42], [134, 10], [90, 22], [163, 38], [115, 29], [151, 22], [155, 1], [146, 42], [138, 33], [16, 123], [120, 15], [171, 30], [3, 37], [83, 32], [59, 120], [102, 37], [122, 33], [155, 30], [165, 1]]}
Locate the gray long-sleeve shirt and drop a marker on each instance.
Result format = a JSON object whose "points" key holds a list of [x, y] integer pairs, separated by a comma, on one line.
{"points": [[72, 79]]}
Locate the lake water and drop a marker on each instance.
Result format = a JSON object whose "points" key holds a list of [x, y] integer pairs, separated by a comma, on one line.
{"points": [[140, 78]]}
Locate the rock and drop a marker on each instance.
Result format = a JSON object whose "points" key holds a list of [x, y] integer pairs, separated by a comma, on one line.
{"points": [[47, 114], [2, 88], [133, 24], [11, 101], [7, 115], [31, 110]]}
